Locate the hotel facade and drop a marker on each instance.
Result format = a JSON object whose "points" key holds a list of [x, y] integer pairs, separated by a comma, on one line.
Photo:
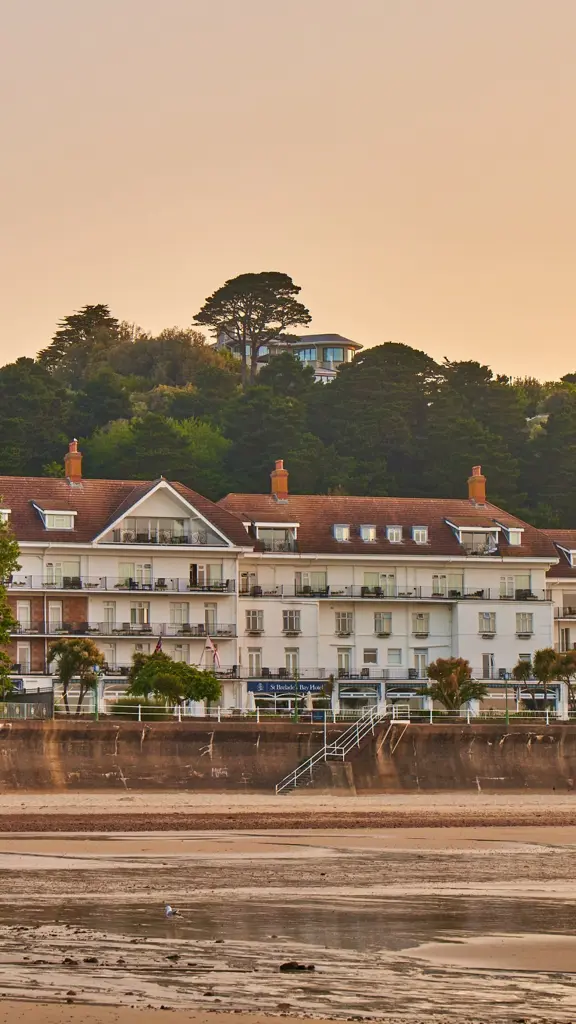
{"points": [[283, 595]]}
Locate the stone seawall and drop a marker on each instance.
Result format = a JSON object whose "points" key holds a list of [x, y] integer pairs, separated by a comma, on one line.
{"points": [[247, 757]]}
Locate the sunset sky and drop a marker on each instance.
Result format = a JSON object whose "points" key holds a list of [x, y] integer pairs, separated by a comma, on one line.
{"points": [[410, 163]]}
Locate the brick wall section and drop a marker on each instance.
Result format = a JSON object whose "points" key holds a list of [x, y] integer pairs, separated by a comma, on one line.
{"points": [[74, 607]]}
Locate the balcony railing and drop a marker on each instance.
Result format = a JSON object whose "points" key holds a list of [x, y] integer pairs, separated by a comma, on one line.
{"points": [[154, 629], [391, 593], [373, 673], [267, 544], [567, 612], [170, 537], [167, 584]]}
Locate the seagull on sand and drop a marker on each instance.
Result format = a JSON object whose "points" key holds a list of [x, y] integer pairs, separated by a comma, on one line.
{"points": [[170, 911]]}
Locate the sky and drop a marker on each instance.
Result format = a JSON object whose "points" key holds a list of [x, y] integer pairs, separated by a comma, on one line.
{"points": [[410, 163]]}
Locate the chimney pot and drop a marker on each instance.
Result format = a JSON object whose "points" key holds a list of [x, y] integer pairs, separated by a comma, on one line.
{"points": [[477, 486], [73, 462], [279, 481]]}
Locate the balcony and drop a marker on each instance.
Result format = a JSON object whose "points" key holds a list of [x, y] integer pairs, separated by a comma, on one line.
{"points": [[372, 672], [568, 612], [172, 585], [346, 592], [191, 630], [273, 544]]}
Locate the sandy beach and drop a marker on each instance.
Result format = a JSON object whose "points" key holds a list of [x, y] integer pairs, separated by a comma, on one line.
{"points": [[405, 924]]}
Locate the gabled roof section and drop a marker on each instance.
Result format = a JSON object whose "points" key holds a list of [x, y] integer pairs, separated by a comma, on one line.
{"points": [[97, 504], [318, 513], [564, 541]]}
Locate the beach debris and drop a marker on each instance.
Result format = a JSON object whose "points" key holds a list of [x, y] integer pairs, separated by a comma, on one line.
{"points": [[171, 911], [293, 965]]}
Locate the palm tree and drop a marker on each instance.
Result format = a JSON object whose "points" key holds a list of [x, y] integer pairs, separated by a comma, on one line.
{"points": [[453, 685], [566, 671], [545, 663], [78, 658]]}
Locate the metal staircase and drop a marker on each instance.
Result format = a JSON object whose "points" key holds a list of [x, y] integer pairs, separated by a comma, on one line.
{"points": [[347, 741]]}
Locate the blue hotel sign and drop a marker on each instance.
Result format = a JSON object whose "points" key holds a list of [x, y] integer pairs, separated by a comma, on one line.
{"points": [[285, 686]]}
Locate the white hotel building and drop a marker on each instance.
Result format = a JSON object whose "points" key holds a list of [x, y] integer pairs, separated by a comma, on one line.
{"points": [[308, 593]]}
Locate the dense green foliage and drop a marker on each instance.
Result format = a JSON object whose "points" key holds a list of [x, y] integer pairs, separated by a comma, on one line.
{"points": [[157, 675], [393, 422]]}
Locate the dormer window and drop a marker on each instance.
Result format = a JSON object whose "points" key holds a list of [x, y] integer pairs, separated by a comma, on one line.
{"points": [[514, 537], [4, 514], [420, 534], [368, 534], [341, 532], [394, 534], [572, 555], [59, 520]]}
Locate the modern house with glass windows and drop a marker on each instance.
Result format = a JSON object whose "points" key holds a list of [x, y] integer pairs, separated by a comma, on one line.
{"points": [[355, 596], [325, 353]]}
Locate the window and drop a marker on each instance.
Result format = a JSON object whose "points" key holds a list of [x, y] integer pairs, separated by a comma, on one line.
{"points": [[450, 584], [63, 573], [421, 622], [23, 614], [109, 615], [141, 648], [381, 584], [255, 661], [306, 355], [515, 586], [487, 622], [333, 355], [179, 613], [514, 537], [254, 621], [181, 652], [140, 613], [344, 622], [479, 543], [4, 514], [524, 622], [565, 644], [487, 666], [383, 622], [311, 582], [54, 615], [23, 657], [368, 534], [292, 659], [344, 658], [59, 521], [277, 538], [210, 617], [341, 532], [394, 534], [291, 622], [109, 652], [394, 655], [137, 573], [370, 656], [420, 534]]}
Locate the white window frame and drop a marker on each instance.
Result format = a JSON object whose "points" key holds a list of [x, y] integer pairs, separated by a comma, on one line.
{"points": [[254, 661], [292, 659], [391, 655], [140, 613], [24, 614], [291, 620], [394, 534], [368, 534], [254, 620], [26, 661], [382, 617], [5, 514], [420, 534], [344, 622], [341, 532], [59, 520], [487, 622], [179, 613], [524, 622], [371, 660], [420, 622]]}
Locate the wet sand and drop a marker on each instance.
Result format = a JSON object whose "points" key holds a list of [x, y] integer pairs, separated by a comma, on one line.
{"points": [[116, 811], [404, 925]]}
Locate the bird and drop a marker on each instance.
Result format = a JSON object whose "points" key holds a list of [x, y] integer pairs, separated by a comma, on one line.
{"points": [[170, 911]]}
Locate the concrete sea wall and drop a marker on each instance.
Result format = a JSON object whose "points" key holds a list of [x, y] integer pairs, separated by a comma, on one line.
{"points": [[246, 757]]}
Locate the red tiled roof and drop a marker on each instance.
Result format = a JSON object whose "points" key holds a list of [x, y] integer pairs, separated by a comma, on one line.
{"points": [[98, 503], [317, 515], [562, 539]]}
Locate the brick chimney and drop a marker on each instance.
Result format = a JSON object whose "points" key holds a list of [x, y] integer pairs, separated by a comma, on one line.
{"points": [[477, 486], [279, 481], [73, 462]]}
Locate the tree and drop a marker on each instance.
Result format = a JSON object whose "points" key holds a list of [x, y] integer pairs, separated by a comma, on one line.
{"points": [[544, 664], [82, 340], [8, 564], [523, 671], [78, 659], [453, 684], [174, 681], [34, 413], [566, 672], [287, 376], [252, 310]]}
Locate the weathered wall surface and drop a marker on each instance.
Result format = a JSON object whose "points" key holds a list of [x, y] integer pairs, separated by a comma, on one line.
{"points": [[59, 755]]}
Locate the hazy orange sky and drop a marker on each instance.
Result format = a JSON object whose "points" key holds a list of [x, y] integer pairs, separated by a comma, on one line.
{"points": [[411, 163]]}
